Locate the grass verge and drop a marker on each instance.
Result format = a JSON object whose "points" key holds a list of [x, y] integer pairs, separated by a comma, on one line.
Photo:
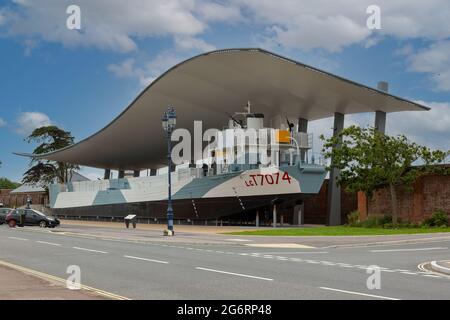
{"points": [[338, 231]]}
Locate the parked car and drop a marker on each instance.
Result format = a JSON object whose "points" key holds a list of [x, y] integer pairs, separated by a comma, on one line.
{"points": [[32, 218], [3, 213]]}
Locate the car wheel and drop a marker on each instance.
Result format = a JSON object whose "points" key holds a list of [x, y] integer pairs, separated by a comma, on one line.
{"points": [[42, 224], [12, 223]]}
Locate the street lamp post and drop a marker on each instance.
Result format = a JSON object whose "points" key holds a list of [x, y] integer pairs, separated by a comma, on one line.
{"points": [[169, 121]]}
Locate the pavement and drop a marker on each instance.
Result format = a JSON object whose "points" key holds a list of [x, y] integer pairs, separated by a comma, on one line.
{"points": [[20, 285], [142, 264]]}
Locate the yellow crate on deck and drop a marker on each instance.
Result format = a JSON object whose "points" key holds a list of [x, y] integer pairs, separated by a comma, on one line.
{"points": [[283, 136]]}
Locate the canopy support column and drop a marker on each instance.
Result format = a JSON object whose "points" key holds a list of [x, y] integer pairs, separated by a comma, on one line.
{"points": [[302, 127], [107, 174], [274, 216], [380, 116], [334, 190]]}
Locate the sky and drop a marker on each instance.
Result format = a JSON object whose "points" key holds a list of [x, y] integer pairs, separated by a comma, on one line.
{"points": [[81, 79]]}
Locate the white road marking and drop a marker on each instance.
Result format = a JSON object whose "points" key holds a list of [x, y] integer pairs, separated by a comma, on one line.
{"points": [[280, 245], [296, 259], [49, 243], [312, 261], [238, 240], [401, 270], [145, 259], [234, 274], [415, 249], [295, 252], [344, 265], [431, 275], [90, 250], [359, 293], [412, 273], [17, 238]]}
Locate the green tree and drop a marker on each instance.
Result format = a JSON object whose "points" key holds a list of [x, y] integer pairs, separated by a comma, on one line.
{"points": [[5, 183], [369, 160], [43, 172]]}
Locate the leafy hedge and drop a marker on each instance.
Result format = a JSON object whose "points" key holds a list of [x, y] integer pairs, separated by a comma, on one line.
{"points": [[439, 218]]}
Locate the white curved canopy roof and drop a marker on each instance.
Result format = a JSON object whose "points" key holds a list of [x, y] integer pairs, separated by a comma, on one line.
{"points": [[207, 86]]}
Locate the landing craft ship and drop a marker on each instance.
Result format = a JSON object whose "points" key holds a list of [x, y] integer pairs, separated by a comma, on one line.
{"points": [[213, 188]]}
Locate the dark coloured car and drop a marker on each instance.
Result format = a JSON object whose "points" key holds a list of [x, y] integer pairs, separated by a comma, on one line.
{"points": [[3, 213], [30, 217]]}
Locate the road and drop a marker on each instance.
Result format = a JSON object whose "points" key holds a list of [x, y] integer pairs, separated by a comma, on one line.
{"points": [[176, 270]]}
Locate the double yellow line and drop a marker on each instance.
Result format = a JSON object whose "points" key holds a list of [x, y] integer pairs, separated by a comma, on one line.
{"points": [[50, 277]]}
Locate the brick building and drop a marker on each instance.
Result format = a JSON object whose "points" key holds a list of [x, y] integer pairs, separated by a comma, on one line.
{"points": [[39, 195], [18, 197]]}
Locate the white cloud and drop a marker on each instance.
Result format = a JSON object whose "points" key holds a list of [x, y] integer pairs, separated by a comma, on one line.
{"points": [[434, 60], [189, 43], [92, 173], [405, 50], [332, 25], [292, 24], [331, 33], [105, 24], [146, 73], [216, 12], [304, 24], [430, 128], [2, 122], [125, 69], [325, 127], [28, 121]]}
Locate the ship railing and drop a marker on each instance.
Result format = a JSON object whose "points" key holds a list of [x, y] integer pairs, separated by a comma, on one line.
{"points": [[138, 183], [315, 158]]}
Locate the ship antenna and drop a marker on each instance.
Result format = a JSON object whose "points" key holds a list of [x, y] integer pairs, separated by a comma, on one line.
{"points": [[290, 124], [234, 119]]}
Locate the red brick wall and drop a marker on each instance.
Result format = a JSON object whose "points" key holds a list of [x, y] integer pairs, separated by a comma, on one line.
{"points": [[429, 193], [4, 196], [316, 207]]}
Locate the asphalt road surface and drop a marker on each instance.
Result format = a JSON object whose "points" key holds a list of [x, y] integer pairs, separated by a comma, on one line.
{"points": [[158, 270]]}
